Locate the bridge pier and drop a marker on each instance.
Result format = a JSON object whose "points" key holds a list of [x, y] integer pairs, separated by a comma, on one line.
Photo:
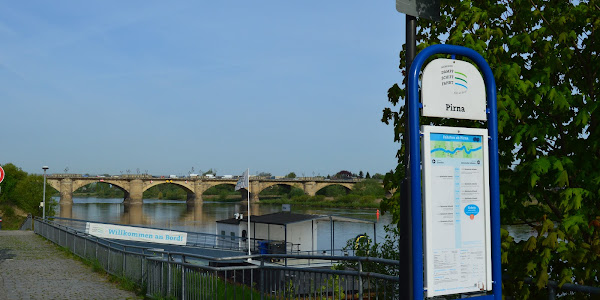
{"points": [[133, 214], [66, 191], [253, 196], [66, 198], [255, 189], [194, 210], [310, 188], [136, 193], [66, 210], [191, 197], [199, 189]]}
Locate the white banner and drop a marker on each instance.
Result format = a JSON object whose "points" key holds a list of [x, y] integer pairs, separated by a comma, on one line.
{"points": [[138, 234]]}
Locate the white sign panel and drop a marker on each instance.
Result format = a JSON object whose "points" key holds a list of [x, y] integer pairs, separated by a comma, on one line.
{"points": [[138, 234], [456, 210], [453, 89]]}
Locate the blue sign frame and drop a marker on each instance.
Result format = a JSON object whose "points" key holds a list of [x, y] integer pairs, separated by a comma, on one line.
{"points": [[415, 165]]}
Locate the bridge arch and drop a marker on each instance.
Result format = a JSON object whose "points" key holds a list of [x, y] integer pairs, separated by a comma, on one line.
{"points": [[77, 184], [210, 185], [187, 186], [265, 185], [321, 185]]}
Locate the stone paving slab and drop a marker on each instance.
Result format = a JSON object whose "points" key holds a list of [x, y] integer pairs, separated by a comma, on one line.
{"points": [[33, 268]]}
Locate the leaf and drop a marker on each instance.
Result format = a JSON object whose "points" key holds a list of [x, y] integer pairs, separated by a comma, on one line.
{"points": [[566, 276], [531, 244], [546, 225], [571, 224], [562, 179], [542, 280], [572, 198], [541, 165], [551, 240], [534, 179], [530, 267]]}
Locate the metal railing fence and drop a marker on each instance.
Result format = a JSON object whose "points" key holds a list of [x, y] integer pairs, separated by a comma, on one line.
{"points": [[186, 276], [194, 239]]}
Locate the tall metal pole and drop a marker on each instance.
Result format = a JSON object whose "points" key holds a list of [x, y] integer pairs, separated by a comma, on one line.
{"points": [[406, 255], [248, 190], [44, 194]]}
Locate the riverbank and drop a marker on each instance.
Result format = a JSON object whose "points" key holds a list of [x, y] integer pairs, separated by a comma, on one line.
{"points": [[319, 201]]}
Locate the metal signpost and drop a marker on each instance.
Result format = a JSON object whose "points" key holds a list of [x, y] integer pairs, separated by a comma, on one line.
{"points": [[462, 166], [429, 9]]}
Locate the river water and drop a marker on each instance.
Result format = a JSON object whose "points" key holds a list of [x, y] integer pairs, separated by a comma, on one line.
{"points": [[176, 215]]}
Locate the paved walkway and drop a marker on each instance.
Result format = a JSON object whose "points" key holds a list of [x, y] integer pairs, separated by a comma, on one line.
{"points": [[33, 268]]}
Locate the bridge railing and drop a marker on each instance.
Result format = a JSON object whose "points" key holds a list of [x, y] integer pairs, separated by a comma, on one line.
{"points": [[186, 276], [197, 178]]}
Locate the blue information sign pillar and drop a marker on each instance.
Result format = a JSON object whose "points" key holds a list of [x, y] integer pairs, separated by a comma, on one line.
{"points": [[415, 165]]}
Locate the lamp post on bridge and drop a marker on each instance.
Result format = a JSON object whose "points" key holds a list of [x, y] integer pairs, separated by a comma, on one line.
{"points": [[44, 194]]}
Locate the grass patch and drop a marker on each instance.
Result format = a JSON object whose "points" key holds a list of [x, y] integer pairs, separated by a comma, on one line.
{"points": [[10, 220], [122, 282]]}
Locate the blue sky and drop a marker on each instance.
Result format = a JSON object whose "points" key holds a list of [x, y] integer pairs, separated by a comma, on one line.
{"points": [[164, 86]]}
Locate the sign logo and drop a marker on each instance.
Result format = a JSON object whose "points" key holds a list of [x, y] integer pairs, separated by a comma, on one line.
{"points": [[461, 80], [452, 78], [1, 174]]}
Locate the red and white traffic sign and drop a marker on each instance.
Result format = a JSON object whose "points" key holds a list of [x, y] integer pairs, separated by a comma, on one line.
{"points": [[1, 174]]}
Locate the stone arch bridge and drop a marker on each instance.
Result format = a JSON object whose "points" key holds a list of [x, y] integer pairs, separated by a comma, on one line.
{"points": [[134, 185]]}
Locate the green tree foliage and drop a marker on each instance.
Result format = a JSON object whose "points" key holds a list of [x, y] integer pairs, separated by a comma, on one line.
{"points": [[12, 176], [25, 191], [544, 56], [343, 174], [370, 187], [378, 176], [210, 171], [276, 190], [364, 246], [333, 191], [222, 189], [166, 191], [105, 190], [291, 175], [29, 193]]}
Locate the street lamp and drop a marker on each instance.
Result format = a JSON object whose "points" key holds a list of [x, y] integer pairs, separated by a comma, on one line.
{"points": [[44, 194]]}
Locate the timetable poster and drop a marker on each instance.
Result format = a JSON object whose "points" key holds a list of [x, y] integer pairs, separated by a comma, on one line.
{"points": [[457, 213]]}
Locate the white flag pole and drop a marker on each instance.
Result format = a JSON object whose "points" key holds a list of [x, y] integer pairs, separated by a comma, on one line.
{"points": [[248, 189]]}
